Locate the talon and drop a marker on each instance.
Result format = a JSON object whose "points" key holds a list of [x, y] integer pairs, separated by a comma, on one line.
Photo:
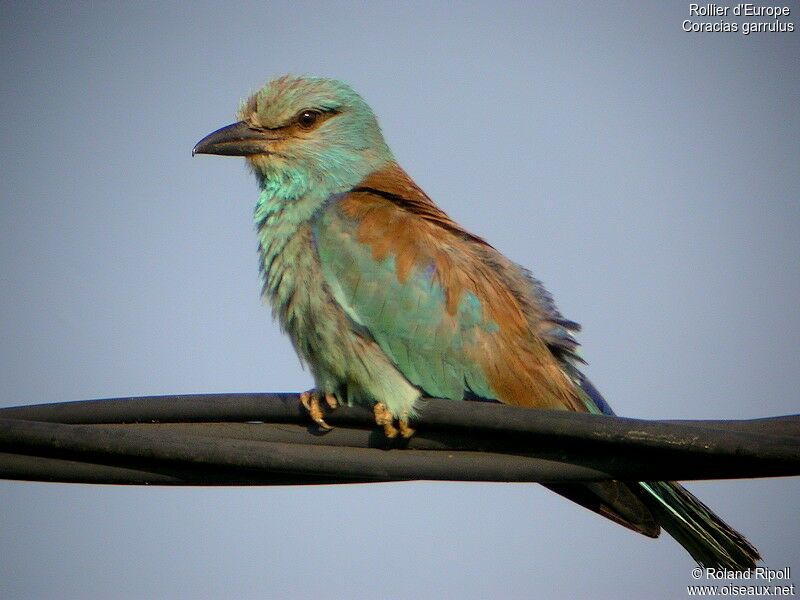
{"points": [[330, 400], [402, 423], [384, 418], [310, 400], [305, 399]]}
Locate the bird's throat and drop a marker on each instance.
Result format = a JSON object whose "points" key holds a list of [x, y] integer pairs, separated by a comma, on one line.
{"points": [[281, 218]]}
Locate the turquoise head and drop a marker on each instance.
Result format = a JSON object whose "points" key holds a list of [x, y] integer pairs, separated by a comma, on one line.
{"points": [[304, 134]]}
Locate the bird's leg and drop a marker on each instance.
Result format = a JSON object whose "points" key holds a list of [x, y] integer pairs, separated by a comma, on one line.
{"points": [[402, 424], [384, 418], [310, 400]]}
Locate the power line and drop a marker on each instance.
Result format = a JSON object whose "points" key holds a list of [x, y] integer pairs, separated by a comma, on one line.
{"points": [[267, 439]]}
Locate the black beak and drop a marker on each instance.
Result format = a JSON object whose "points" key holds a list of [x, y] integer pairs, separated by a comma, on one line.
{"points": [[237, 139]]}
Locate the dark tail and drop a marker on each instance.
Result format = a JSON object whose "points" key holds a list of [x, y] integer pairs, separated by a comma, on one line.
{"points": [[709, 540]]}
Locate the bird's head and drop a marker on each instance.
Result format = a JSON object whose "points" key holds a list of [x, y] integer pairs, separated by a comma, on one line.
{"points": [[301, 133]]}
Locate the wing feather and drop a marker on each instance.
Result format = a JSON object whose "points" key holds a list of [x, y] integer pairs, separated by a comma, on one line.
{"points": [[451, 313]]}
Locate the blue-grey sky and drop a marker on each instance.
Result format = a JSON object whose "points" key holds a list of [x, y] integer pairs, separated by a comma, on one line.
{"points": [[650, 177]]}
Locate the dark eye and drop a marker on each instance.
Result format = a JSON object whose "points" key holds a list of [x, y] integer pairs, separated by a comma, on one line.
{"points": [[308, 118]]}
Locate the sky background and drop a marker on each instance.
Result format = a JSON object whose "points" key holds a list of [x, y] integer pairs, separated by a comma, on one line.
{"points": [[650, 177]]}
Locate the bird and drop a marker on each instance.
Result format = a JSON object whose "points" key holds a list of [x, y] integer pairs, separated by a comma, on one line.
{"points": [[388, 300]]}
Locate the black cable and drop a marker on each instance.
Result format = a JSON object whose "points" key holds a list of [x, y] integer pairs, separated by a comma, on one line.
{"points": [[211, 440]]}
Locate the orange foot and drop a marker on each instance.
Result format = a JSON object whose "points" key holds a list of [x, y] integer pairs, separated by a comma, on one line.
{"points": [[384, 418], [310, 400]]}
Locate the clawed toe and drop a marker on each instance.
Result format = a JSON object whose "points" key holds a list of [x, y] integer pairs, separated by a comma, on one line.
{"points": [[385, 419], [310, 401], [330, 400], [405, 430]]}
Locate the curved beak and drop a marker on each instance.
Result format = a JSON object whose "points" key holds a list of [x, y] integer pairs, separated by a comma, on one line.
{"points": [[237, 139]]}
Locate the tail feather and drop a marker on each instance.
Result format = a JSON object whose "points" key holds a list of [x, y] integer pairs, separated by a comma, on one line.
{"points": [[710, 541], [614, 500]]}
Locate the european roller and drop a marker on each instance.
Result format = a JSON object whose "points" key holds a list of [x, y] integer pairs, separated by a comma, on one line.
{"points": [[387, 299]]}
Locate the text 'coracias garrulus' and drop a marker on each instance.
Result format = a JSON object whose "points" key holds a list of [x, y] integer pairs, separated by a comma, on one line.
{"points": [[387, 299]]}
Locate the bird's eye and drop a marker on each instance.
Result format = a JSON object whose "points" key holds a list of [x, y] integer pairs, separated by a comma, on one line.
{"points": [[308, 118]]}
